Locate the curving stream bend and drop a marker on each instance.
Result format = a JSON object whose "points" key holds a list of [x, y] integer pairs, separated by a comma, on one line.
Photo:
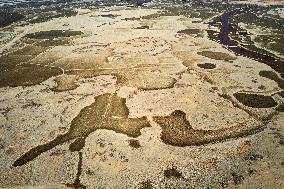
{"points": [[223, 37]]}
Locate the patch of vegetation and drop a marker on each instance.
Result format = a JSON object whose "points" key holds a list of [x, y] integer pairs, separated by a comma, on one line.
{"points": [[207, 66], [217, 55], [255, 100], [7, 18], [51, 34]]}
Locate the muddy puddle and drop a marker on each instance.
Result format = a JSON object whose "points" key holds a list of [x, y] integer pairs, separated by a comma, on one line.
{"points": [[27, 75], [255, 100], [217, 55], [16, 71], [52, 34], [177, 131], [190, 32], [107, 112], [207, 66], [274, 77]]}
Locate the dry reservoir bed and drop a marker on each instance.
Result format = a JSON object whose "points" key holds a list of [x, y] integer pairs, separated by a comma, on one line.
{"points": [[132, 98]]}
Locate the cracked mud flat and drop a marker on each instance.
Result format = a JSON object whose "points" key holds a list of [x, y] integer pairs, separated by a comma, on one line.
{"points": [[129, 97]]}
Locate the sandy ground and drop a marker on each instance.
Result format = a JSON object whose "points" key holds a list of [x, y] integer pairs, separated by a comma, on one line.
{"points": [[131, 103]]}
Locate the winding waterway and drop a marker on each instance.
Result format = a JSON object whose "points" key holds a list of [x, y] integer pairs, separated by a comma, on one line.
{"points": [[223, 37]]}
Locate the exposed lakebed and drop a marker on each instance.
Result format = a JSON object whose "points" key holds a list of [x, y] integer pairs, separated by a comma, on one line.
{"points": [[97, 96]]}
